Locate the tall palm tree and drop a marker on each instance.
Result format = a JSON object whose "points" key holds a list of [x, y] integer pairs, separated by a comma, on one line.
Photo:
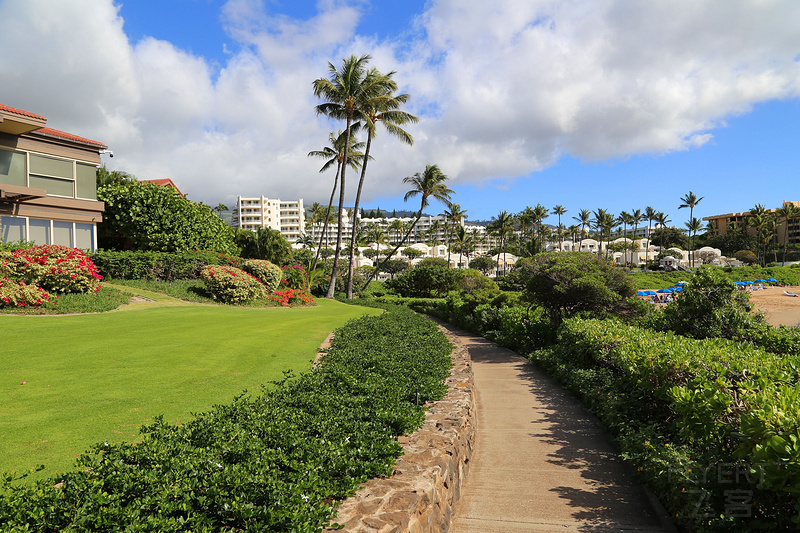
{"points": [[625, 219], [335, 154], [693, 226], [604, 223], [650, 215], [465, 241], [502, 226], [690, 200], [662, 219], [540, 212], [787, 213], [380, 105], [758, 220], [454, 215], [636, 217], [584, 218], [427, 184], [343, 92], [559, 210]]}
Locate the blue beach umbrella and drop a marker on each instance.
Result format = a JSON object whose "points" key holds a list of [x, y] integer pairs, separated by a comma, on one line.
{"points": [[677, 289], [762, 280], [739, 283], [646, 293], [664, 290], [749, 282], [773, 280]]}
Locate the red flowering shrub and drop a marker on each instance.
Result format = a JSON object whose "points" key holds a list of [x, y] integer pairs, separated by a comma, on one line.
{"points": [[57, 268], [288, 297], [19, 294], [232, 285], [269, 273]]}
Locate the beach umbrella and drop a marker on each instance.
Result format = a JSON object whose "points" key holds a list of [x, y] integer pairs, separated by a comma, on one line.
{"points": [[664, 290], [682, 283], [748, 283], [677, 289], [773, 280], [739, 283], [646, 293], [762, 280]]}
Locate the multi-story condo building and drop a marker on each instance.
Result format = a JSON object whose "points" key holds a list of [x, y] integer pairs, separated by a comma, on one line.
{"points": [[429, 229], [48, 183], [724, 223], [252, 213]]}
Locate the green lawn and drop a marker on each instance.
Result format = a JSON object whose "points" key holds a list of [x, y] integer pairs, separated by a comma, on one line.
{"points": [[94, 378]]}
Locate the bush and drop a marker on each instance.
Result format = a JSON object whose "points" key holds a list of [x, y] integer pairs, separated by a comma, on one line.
{"points": [[426, 280], [19, 294], [8, 265], [269, 274], [295, 276], [159, 266], [473, 280], [57, 268], [232, 285], [289, 296]]}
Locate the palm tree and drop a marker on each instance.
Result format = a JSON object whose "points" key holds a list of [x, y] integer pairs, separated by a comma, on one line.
{"points": [[604, 222], [625, 218], [650, 215], [395, 226], [693, 226], [662, 220], [465, 242], [335, 153], [454, 215], [584, 218], [636, 217], [427, 184], [343, 92], [786, 213], [540, 212], [380, 105], [573, 231], [690, 200], [559, 210], [502, 226]]}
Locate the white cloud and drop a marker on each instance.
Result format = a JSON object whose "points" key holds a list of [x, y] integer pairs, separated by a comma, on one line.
{"points": [[503, 88]]}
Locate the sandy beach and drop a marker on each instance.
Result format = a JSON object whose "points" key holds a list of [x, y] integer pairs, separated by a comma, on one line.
{"points": [[776, 306]]}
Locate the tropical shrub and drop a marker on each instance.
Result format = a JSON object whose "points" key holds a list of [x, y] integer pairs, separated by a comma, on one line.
{"points": [[232, 285], [427, 280], [159, 266], [147, 216], [277, 461], [472, 280], [295, 276], [57, 268], [289, 296], [567, 284], [14, 293], [8, 265], [269, 274]]}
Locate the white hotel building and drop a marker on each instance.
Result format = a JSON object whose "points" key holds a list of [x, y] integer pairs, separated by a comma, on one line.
{"points": [[286, 216]]}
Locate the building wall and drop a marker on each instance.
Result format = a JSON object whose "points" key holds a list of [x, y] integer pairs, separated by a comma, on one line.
{"points": [[48, 190], [724, 222], [252, 213]]}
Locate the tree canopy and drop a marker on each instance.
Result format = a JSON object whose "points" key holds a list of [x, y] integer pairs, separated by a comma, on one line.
{"points": [[146, 216]]}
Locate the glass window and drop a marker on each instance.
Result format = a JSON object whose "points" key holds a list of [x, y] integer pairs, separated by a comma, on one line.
{"points": [[62, 233], [84, 236], [51, 167], [56, 186], [39, 230], [12, 229], [86, 182], [12, 168]]}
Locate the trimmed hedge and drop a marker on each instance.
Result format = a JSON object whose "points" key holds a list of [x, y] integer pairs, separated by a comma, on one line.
{"points": [[685, 410], [274, 462], [159, 266]]}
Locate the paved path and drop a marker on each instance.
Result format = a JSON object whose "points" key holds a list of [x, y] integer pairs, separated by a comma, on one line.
{"points": [[541, 462]]}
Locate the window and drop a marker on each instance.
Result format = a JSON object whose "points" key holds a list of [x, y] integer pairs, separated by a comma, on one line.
{"points": [[39, 231], [12, 229], [62, 233]]}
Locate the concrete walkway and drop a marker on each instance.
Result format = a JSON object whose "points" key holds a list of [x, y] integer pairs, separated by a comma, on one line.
{"points": [[541, 462]]}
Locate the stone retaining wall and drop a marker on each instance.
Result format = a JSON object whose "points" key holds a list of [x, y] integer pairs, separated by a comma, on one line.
{"points": [[421, 495]]}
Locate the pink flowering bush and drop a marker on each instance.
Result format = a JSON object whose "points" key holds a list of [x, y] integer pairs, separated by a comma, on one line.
{"points": [[295, 277], [269, 273], [287, 297], [15, 293], [232, 285], [56, 268]]}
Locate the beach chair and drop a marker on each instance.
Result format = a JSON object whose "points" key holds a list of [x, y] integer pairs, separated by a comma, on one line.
{"points": [[787, 293]]}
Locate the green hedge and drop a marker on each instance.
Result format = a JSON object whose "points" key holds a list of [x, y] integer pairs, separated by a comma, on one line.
{"points": [[688, 413], [277, 461], [159, 266]]}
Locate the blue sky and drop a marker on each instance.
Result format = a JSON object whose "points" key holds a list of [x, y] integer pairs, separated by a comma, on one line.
{"points": [[586, 103]]}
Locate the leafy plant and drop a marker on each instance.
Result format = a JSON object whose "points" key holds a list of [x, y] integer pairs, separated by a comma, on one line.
{"points": [[269, 274], [232, 285]]}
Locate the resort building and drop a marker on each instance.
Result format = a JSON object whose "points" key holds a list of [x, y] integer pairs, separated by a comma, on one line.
{"points": [[728, 221], [48, 183], [429, 229], [286, 216]]}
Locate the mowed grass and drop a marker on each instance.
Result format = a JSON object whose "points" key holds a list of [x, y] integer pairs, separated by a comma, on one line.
{"points": [[99, 377]]}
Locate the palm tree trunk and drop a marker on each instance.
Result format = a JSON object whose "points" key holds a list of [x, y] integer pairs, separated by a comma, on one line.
{"points": [[355, 217], [332, 287], [327, 216]]}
